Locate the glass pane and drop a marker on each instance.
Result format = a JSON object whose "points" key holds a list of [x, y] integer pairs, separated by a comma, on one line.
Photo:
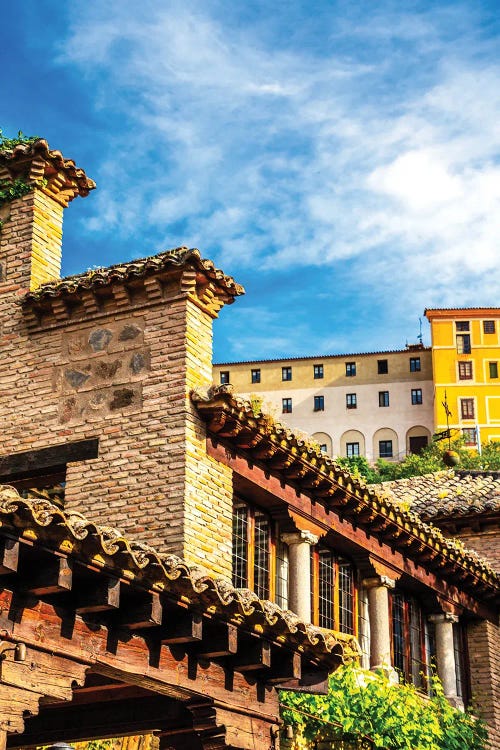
{"points": [[261, 564], [398, 642], [346, 598], [282, 575], [326, 589], [418, 667], [240, 546]]}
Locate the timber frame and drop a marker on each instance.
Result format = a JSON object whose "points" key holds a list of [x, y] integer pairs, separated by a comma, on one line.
{"points": [[122, 640]]}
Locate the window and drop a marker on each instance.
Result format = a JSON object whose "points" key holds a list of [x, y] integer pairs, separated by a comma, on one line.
{"points": [[383, 398], [410, 640], [318, 372], [465, 370], [488, 326], [286, 405], [463, 343], [224, 377], [256, 376], [467, 408], [469, 435], [414, 364], [351, 401], [333, 592], [350, 369], [493, 369], [460, 649], [416, 396], [319, 403], [352, 449], [382, 366], [462, 325], [257, 552], [385, 448], [323, 448], [286, 373]]}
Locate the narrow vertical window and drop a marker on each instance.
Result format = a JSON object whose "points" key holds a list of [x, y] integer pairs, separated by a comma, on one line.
{"points": [[224, 377], [319, 403], [286, 373], [286, 405], [318, 372], [255, 375]]}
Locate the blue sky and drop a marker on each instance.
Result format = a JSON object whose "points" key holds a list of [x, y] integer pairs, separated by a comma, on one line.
{"points": [[339, 159]]}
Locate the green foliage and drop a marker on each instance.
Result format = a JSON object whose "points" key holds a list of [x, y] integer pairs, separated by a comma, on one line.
{"points": [[429, 460], [6, 144], [395, 717], [11, 190]]}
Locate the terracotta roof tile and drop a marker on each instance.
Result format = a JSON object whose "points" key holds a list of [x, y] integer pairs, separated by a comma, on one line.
{"points": [[17, 159], [140, 268], [445, 493], [232, 420], [319, 357], [40, 521]]}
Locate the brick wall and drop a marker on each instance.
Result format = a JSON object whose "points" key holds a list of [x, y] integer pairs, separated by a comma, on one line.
{"points": [[486, 543], [121, 371], [484, 656]]}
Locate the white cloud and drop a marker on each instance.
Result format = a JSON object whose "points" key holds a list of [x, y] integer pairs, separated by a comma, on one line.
{"points": [[292, 156]]}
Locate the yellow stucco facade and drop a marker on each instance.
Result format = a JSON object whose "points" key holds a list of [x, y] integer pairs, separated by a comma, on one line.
{"points": [[466, 371]]}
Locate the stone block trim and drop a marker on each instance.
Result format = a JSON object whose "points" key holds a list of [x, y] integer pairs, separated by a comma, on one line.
{"points": [[484, 657]]}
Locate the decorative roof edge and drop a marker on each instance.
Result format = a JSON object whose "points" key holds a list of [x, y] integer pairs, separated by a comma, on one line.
{"points": [[326, 470], [17, 158], [139, 268], [109, 549], [324, 356]]}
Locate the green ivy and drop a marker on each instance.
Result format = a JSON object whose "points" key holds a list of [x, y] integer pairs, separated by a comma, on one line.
{"points": [[362, 704], [6, 144]]}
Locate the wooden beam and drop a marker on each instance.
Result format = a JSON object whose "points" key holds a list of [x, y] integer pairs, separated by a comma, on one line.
{"points": [[143, 614], [103, 595], [55, 576], [252, 655], [182, 627], [220, 640], [32, 463], [9, 555], [44, 673], [285, 665]]}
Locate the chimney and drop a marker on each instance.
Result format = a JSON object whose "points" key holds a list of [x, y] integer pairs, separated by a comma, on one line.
{"points": [[41, 183]]}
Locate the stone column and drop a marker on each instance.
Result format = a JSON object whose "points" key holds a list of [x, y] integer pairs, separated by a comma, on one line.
{"points": [[380, 629], [445, 655], [299, 572]]}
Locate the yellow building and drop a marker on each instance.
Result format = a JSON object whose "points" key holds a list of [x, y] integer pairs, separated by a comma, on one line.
{"points": [[465, 363]]}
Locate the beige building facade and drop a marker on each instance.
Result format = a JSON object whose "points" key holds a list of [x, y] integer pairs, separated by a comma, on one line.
{"points": [[378, 404]]}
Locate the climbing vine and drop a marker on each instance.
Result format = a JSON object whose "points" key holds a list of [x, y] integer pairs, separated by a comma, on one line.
{"points": [[9, 191], [366, 706]]}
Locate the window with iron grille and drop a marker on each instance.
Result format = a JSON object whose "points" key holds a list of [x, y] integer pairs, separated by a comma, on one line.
{"points": [[352, 449], [350, 369], [333, 592], [351, 401], [319, 403], [488, 326], [463, 343], [462, 325], [383, 398], [385, 448], [414, 364], [286, 405], [469, 435], [286, 373], [259, 559], [416, 396], [224, 377], [256, 376], [318, 372], [382, 366], [460, 651], [493, 366], [410, 641], [465, 370], [467, 408]]}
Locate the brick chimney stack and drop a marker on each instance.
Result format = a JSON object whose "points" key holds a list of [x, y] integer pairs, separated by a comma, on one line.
{"points": [[31, 224]]}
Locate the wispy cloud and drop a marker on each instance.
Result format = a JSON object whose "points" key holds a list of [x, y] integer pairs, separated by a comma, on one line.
{"points": [[371, 138]]}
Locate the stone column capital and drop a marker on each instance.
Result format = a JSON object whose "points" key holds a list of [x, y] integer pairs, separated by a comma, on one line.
{"points": [[378, 582], [299, 537], [443, 617]]}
